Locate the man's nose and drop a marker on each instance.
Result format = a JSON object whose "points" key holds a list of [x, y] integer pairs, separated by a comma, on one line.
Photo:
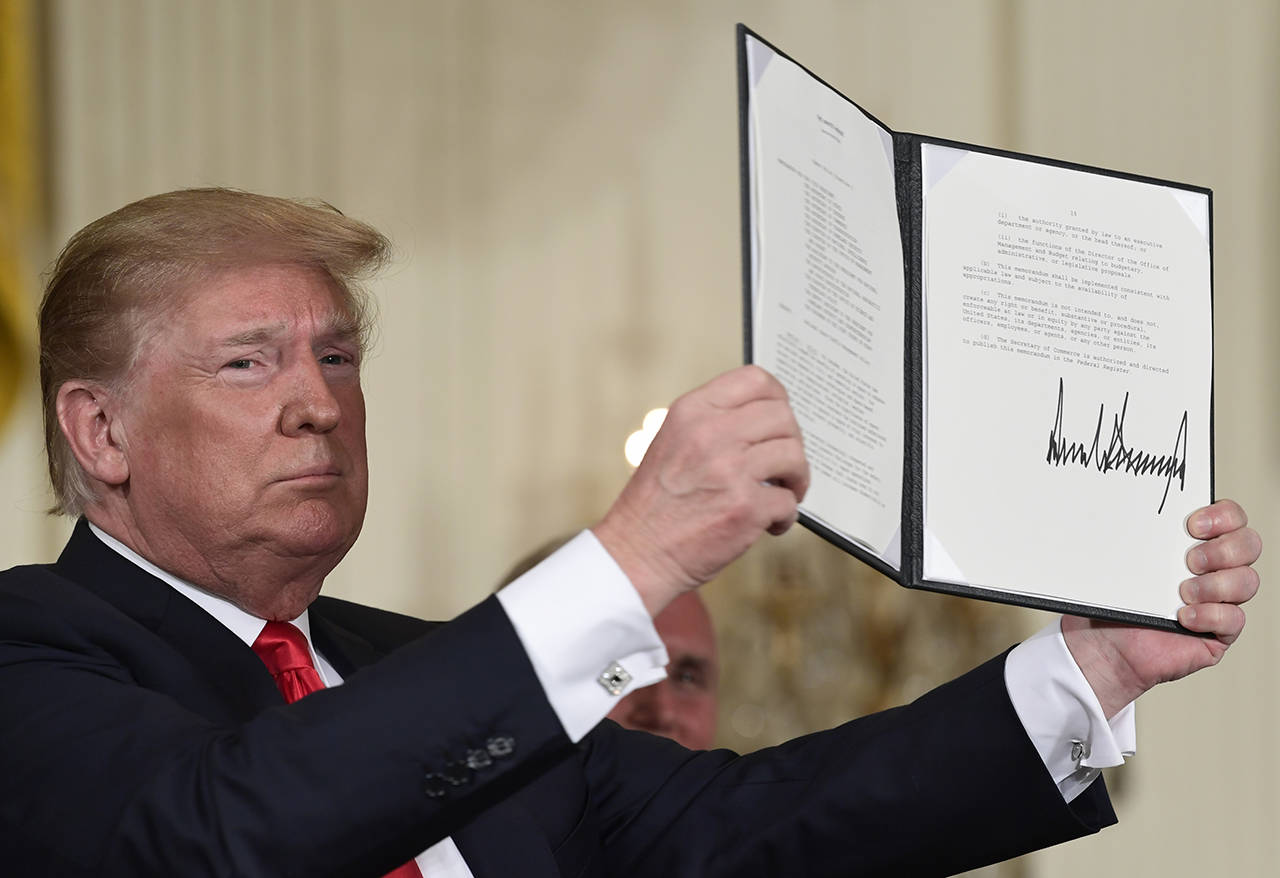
{"points": [[310, 406]]}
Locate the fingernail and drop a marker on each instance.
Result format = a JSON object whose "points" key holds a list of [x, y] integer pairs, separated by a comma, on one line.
{"points": [[1187, 616], [1190, 591], [1200, 525], [1196, 561]]}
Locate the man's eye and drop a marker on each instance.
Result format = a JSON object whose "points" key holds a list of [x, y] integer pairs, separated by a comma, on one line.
{"points": [[335, 359], [240, 364], [688, 677]]}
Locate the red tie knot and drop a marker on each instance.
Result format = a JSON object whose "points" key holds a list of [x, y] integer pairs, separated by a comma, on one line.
{"points": [[283, 647]]}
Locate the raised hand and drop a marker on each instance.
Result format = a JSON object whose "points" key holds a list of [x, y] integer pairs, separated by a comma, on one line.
{"points": [[1121, 662], [727, 465]]}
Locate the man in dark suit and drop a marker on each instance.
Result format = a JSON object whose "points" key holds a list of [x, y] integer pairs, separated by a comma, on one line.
{"points": [[200, 366]]}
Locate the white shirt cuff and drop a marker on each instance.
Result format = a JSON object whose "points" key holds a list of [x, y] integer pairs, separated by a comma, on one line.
{"points": [[586, 632], [1061, 714]]}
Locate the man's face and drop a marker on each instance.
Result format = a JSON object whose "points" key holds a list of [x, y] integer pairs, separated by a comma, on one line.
{"points": [[244, 432], [683, 706]]}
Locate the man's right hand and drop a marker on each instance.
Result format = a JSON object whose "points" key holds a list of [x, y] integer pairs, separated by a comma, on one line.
{"points": [[727, 465]]}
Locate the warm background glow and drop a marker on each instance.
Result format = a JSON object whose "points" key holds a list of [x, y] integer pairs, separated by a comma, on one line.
{"points": [[638, 442]]}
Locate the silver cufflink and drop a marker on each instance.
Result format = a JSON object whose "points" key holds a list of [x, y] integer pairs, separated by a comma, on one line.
{"points": [[1079, 750], [614, 679]]}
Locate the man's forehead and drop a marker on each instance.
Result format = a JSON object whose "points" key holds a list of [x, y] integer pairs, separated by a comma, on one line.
{"points": [[685, 627], [335, 325], [258, 303]]}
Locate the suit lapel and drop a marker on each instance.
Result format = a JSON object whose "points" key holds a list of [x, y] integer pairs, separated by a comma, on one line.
{"points": [[210, 667], [345, 650]]}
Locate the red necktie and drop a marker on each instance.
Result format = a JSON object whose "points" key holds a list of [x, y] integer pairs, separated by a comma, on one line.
{"points": [[283, 649]]}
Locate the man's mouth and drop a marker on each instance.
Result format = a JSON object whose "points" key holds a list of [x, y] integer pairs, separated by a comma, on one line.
{"points": [[318, 474]]}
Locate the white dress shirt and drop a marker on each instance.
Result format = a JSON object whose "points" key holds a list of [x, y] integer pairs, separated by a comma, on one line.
{"points": [[574, 634]]}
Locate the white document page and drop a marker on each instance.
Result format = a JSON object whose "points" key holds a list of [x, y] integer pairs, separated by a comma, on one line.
{"points": [[1068, 376], [828, 292]]}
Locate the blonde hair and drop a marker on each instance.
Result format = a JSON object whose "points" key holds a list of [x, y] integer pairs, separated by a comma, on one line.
{"points": [[121, 272]]}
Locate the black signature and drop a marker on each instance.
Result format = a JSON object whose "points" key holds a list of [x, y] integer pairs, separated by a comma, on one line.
{"points": [[1119, 457]]}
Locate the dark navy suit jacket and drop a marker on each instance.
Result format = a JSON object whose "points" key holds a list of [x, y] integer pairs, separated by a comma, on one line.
{"points": [[138, 736]]}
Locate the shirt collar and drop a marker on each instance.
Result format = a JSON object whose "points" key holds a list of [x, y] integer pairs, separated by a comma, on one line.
{"points": [[242, 624]]}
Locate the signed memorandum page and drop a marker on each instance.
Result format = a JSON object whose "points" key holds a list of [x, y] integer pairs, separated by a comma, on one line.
{"points": [[1068, 377], [827, 307]]}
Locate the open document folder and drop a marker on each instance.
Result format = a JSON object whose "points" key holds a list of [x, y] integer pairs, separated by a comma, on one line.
{"points": [[1002, 364]]}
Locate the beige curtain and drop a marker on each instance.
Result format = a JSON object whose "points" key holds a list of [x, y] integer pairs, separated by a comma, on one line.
{"points": [[19, 174]]}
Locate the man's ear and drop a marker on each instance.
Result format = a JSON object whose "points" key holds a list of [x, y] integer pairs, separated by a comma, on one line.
{"points": [[89, 422]]}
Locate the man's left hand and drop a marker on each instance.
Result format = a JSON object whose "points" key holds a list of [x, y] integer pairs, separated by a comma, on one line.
{"points": [[1121, 661]]}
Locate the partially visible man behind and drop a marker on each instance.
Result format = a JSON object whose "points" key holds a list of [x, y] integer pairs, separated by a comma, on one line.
{"points": [[177, 699], [682, 706]]}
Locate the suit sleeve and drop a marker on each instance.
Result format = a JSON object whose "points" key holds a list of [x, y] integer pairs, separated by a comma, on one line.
{"points": [[577, 615], [947, 783]]}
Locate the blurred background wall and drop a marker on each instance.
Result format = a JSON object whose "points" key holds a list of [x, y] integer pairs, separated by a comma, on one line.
{"points": [[561, 182]]}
